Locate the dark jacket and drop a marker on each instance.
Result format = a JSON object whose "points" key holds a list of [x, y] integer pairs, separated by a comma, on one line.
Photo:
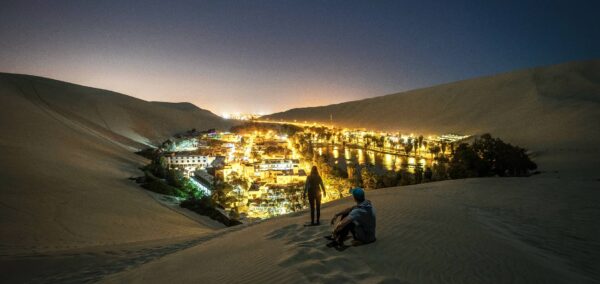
{"points": [[313, 182]]}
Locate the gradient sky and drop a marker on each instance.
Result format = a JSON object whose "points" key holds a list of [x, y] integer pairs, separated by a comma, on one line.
{"points": [[268, 56]]}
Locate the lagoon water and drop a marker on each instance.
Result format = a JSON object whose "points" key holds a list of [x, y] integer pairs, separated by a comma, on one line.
{"points": [[340, 157]]}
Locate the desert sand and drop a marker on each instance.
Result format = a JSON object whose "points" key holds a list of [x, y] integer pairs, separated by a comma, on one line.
{"points": [[547, 105], [491, 230], [67, 154], [74, 217], [540, 229], [552, 110]]}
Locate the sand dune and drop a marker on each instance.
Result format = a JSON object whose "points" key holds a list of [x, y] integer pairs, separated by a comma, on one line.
{"points": [[66, 156], [535, 230], [541, 229], [65, 196], [555, 108]]}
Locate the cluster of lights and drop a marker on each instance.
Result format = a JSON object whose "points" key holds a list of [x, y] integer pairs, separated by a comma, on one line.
{"points": [[242, 116]]}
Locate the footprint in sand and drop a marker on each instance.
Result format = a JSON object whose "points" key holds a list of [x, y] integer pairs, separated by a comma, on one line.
{"points": [[307, 253]]}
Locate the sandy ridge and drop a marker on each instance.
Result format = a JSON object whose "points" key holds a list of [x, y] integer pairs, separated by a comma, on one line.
{"points": [[66, 164], [466, 231]]}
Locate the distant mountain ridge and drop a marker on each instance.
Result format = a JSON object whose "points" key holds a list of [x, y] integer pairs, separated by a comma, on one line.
{"points": [[538, 107], [181, 106]]}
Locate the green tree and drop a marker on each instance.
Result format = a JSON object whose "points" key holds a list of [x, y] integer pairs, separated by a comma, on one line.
{"points": [[418, 173], [440, 171], [416, 146], [221, 194], [435, 150], [368, 177], [428, 174], [158, 167], [443, 147], [501, 158], [389, 179], [408, 147], [404, 177], [234, 213], [175, 178], [466, 163]]}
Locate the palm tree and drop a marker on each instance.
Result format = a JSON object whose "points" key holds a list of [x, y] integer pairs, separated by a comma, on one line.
{"points": [[408, 148], [443, 148], [416, 146], [434, 151]]}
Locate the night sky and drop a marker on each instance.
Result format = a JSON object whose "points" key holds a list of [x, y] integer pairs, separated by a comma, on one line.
{"points": [[267, 56]]}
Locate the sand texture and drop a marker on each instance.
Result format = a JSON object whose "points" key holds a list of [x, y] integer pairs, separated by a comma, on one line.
{"points": [[493, 230], [67, 154], [69, 214], [547, 109]]}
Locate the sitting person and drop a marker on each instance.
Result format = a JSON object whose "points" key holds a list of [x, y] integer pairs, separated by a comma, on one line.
{"points": [[358, 220]]}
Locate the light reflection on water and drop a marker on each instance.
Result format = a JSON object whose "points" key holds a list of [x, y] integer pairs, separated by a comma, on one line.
{"points": [[381, 161], [388, 162], [361, 156]]}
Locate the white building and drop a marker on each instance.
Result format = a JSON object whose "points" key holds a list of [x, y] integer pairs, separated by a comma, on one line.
{"points": [[279, 165], [182, 145], [204, 181], [189, 162]]}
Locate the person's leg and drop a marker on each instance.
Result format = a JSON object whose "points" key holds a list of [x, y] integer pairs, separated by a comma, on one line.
{"points": [[318, 205], [344, 215], [342, 233], [311, 201]]}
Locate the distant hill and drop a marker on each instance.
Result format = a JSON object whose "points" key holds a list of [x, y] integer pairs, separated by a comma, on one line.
{"points": [[554, 107], [135, 119], [67, 151]]}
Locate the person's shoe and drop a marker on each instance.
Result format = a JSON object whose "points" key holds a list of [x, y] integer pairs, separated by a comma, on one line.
{"points": [[341, 247], [318, 223], [340, 242], [332, 244]]}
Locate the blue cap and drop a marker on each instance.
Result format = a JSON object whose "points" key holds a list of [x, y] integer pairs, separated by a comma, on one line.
{"points": [[358, 193]]}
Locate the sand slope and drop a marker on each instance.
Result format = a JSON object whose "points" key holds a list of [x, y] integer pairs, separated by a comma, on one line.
{"points": [[543, 108], [66, 155], [541, 229], [64, 187], [531, 230]]}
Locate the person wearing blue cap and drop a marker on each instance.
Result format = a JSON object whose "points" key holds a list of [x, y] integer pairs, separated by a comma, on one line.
{"points": [[359, 220]]}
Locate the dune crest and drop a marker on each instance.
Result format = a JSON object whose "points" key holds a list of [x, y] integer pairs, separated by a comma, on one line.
{"points": [[547, 107], [67, 153], [487, 230]]}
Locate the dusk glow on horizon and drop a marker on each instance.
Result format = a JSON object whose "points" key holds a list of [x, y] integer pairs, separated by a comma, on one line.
{"points": [[270, 56]]}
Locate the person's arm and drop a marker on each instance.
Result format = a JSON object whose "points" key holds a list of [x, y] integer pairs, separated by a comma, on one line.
{"points": [[342, 213], [342, 224], [305, 188], [322, 187]]}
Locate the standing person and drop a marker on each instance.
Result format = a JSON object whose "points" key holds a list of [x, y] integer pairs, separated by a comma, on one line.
{"points": [[358, 220], [313, 186]]}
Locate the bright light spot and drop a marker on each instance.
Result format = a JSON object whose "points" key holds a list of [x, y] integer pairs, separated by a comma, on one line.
{"points": [[411, 161]]}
